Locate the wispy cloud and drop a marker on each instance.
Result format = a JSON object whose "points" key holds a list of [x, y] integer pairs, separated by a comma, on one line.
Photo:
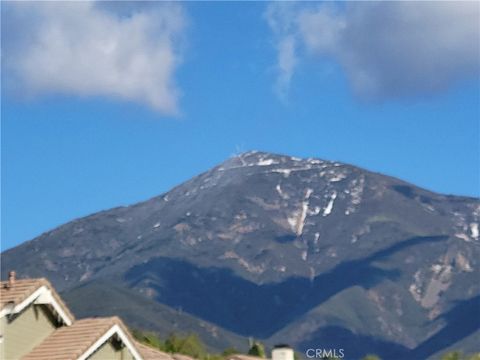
{"points": [[280, 18], [387, 49], [80, 48]]}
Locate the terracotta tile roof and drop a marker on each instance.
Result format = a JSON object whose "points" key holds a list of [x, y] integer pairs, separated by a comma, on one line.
{"points": [[149, 353], [181, 357], [19, 291], [244, 357], [23, 288], [70, 342]]}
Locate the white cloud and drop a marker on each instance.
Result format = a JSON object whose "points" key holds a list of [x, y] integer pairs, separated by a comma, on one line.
{"points": [[79, 48], [279, 18], [287, 61], [387, 49]]}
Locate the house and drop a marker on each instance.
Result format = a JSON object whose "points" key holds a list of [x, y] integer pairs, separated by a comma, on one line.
{"points": [[35, 324]]}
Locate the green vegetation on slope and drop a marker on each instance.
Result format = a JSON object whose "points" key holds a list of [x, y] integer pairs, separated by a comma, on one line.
{"points": [[257, 349], [190, 345], [457, 355], [140, 312]]}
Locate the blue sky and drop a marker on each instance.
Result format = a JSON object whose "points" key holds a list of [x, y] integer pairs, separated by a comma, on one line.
{"points": [[218, 78]]}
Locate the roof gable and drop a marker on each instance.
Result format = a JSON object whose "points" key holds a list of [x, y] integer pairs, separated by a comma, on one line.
{"points": [[14, 297], [82, 339]]}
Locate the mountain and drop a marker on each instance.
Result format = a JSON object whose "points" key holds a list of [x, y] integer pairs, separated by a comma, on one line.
{"points": [[304, 251], [142, 313]]}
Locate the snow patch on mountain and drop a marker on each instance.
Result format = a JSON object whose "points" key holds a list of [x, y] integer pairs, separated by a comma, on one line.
{"points": [[474, 230], [304, 255], [280, 192], [285, 172], [266, 162], [328, 209], [338, 177], [298, 216], [356, 188], [303, 214], [463, 236]]}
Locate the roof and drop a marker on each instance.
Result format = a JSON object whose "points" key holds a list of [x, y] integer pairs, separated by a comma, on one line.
{"points": [[81, 339], [244, 357], [19, 291], [181, 357], [149, 353], [19, 295]]}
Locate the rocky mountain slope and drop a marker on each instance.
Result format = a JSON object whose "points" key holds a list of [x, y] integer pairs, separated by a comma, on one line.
{"points": [[304, 251]]}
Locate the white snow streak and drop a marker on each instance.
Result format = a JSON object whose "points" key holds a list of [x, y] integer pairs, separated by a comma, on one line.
{"points": [[474, 230], [280, 192], [285, 172], [266, 162], [462, 236], [303, 214], [329, 207]]}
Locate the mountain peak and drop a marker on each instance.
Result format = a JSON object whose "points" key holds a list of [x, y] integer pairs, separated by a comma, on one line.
{"points": [[255, 158], [301, 237], [261, 155]]}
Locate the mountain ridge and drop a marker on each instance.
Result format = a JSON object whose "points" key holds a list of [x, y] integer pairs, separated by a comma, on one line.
{"points": [[269, 240], [246, 153]]}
